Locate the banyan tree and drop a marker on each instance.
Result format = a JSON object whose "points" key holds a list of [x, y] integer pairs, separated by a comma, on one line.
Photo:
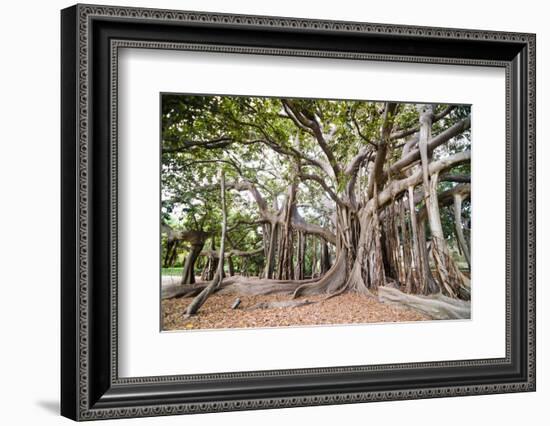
{"points": [[310, 197]]}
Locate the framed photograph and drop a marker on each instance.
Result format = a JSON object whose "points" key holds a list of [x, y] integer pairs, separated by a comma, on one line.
{"points": [[263, 212]]}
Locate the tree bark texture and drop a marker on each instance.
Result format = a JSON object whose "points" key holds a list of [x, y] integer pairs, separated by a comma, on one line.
{"points": [[199, 300]]}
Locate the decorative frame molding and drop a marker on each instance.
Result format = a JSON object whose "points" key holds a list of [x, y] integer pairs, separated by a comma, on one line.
{"points": [[91, 37]]}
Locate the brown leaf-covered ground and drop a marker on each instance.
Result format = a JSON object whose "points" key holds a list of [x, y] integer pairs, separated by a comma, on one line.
{"points": [[347, 308]]}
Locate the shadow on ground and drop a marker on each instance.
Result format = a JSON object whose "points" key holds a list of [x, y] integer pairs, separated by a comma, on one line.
{"points": [[50, 406]]}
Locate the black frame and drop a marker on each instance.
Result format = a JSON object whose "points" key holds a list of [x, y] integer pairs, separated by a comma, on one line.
{"points": [[91, 37]]}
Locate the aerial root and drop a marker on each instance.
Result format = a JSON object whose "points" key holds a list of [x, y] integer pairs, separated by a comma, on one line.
{"points": [[436, 306]]}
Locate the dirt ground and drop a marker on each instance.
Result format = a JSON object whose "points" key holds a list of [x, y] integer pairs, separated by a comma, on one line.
{"points": [[347, 308]]}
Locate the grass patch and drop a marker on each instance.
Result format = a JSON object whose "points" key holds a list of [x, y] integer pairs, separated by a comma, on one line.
{"points": [[172, 271]]}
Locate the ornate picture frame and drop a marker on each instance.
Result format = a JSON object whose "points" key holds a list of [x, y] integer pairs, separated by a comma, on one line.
{"points": [[91, 37]]}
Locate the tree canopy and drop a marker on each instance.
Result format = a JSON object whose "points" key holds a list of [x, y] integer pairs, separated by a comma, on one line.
{"points": [[350, 195]]}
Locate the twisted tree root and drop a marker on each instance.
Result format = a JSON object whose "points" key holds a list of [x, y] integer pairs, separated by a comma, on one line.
{"points": [[436, 306]]}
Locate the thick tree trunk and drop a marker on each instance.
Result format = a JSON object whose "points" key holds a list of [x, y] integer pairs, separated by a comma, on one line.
{"points": [[426, 118], [329, 283], [174, 255], [244, 267], [406, 249], [365, 270], [204, 272], [209, 269], [360, 272], [199, 300], [188, 275], [266, 236], [272, 248], [453, 283], [300, 256], [168, 254], [230, 266], [325, 258], [286, 246], [418, 266], [450, 279], [212, 262], [458, 228], [313, 256], [371, 275], [391, 243], [429, 285]]}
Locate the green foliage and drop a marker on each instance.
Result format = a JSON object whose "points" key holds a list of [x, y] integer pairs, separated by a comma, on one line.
{"points": [[172, 271], [255, 140]]}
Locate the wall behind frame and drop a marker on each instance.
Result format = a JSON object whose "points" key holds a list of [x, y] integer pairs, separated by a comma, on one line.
{"points": [[29, 219]]}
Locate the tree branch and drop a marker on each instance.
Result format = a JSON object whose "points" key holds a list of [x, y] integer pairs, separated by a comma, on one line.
{"points": [[300, 224], [352, 170], [407, 132], [215, 254], [294, 119], [246, 185], [358, 129], [230, 162], [376, 175], [317, 132], [446, 198], [436, 141], [320, 181], [220, 142], [455, 178], [398, 186], [244, 222], [297, 222]]}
